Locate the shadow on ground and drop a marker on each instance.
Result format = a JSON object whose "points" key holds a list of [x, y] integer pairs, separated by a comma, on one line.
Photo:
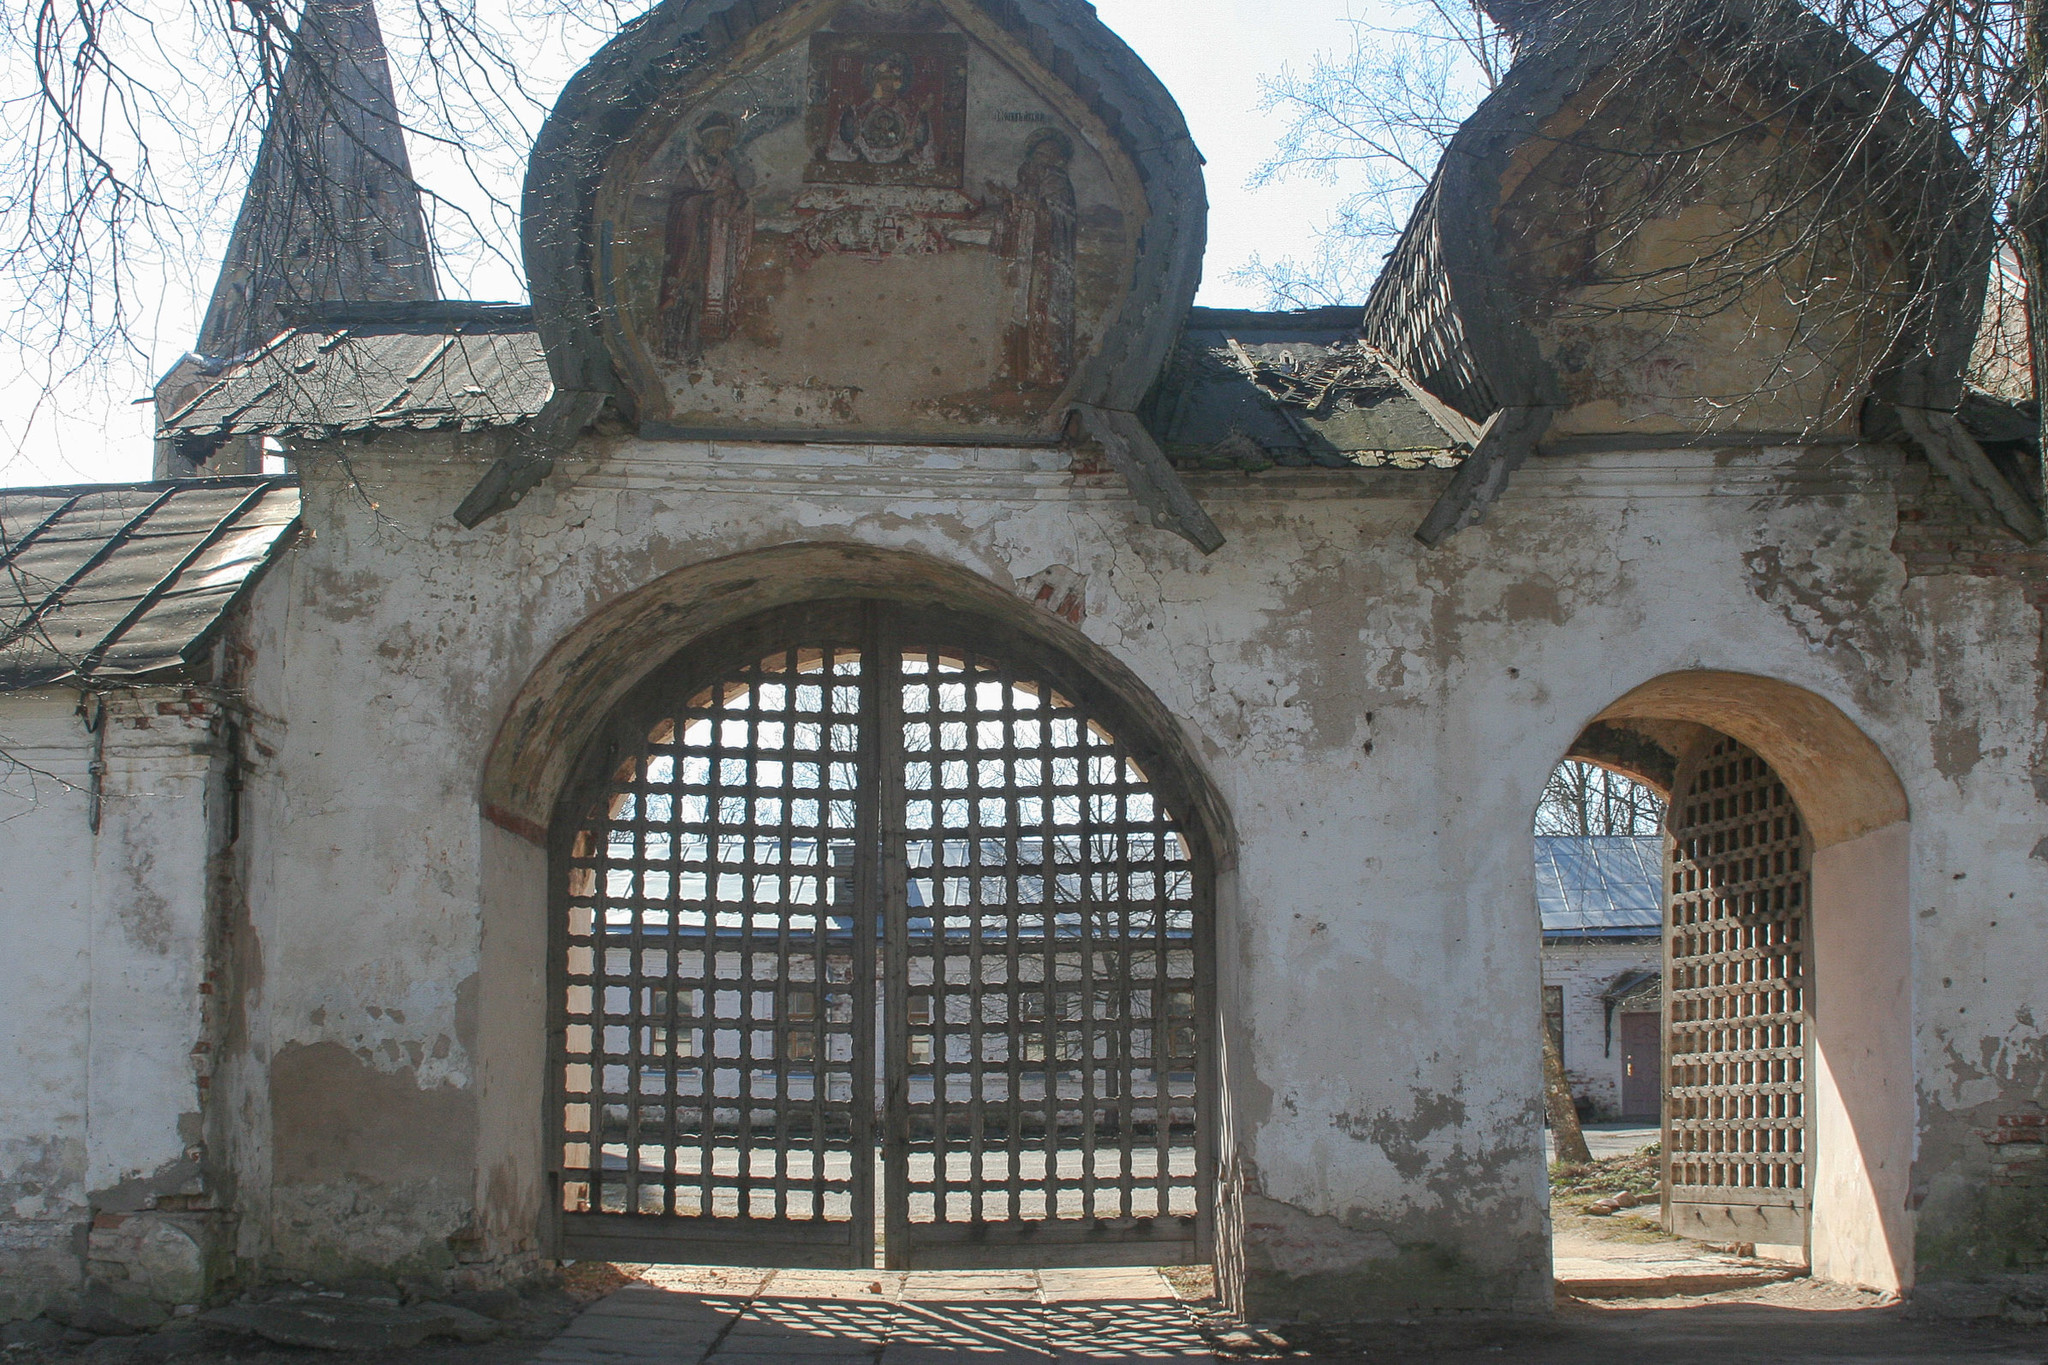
{"points": [[1669, 1333]]}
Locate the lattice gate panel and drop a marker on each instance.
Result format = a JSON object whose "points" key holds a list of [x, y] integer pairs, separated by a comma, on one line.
{"points": [[1737, 1047], [1050, 990], [717, 1017], [894, 896]]}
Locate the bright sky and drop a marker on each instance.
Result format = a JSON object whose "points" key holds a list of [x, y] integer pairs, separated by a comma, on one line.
{"points": [[1209, 53]]}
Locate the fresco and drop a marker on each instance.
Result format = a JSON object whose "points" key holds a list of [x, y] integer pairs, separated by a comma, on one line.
{"points": [[891, 223]]}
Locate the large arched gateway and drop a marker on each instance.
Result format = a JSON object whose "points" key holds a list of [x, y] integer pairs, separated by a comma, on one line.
{"points": [[858, 908]]}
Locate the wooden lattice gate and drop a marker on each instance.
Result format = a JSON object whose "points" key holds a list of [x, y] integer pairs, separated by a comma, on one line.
{"points": [[1737, 939], [856, 908]]}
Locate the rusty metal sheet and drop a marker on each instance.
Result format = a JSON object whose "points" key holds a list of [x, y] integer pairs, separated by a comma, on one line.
{"points": [[1247, 389], [444, 366]]}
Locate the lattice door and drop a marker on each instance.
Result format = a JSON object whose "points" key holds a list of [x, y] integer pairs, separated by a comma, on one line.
{"points": [[850, 888], [716, 961], [1737, 936], [1049, 991]]}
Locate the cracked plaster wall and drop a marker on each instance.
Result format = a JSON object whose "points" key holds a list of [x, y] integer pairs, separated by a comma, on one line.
{"points": [[1379, 718], [102, 978]]}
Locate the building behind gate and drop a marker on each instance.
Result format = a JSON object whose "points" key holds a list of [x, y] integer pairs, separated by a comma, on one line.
{"points": [[860, 724]]}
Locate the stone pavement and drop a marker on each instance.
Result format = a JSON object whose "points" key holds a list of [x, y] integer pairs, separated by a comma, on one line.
{"points": [[1591, 1268], [689, 1315]]}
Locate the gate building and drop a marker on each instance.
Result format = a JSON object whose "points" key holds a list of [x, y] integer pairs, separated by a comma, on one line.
{"points": [[858, 727]]}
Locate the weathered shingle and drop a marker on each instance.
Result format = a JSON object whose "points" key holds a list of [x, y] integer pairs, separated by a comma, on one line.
{"points": [[422, 366], [1247, 390], [119, 582]]}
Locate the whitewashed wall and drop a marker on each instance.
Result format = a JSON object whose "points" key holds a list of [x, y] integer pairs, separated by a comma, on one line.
{"points": [[1379, 717], [104, 1017], [1592, 1038]]}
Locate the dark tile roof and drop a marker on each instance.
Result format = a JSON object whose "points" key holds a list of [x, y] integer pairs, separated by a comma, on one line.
{"points": [[1600, 886], [126, 582], [1249, 390], [1241, 390], [419, 366]]}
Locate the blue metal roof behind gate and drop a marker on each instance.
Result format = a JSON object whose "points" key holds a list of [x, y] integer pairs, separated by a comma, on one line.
{"points": [[1600, 886]]}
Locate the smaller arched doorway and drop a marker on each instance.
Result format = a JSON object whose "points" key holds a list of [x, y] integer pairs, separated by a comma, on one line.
{"points": [[879, 924], [1789, 1114]]}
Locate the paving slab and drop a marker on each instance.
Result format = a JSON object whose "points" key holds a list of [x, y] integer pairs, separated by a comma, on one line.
{"points": [[1663, 1276], [1144, 1283]]}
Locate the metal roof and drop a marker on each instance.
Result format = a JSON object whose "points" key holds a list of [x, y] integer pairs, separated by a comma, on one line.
{"points": [[126, 581], [419, 366], [1600, 886], [1250, 390]]}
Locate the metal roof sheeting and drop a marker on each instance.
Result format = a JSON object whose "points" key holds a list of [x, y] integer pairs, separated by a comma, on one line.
{"points": [[421, 367], [122, 582], [1600, 886]]}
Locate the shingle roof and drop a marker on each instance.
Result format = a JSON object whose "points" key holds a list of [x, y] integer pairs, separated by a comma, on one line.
{"points": [[122, 582], [421, 366], [1248, 390], [1242, 389], [1600, 886]]}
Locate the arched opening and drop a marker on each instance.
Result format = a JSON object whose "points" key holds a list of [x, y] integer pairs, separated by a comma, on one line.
{"points": [[946, 1055], [1785, 1072]]}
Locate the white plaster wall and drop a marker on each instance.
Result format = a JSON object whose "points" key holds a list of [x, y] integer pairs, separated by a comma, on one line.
{"points": [[1592, 1048], [101, 1011], [1380, 718]]}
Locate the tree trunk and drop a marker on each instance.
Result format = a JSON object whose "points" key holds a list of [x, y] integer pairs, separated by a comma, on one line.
{"points": [[2028, 217], [1557, 1098]]}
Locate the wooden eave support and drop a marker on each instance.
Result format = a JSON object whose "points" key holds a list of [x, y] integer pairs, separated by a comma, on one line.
{"points": [[1954, 453], [554, 428], [1508, 438], [1152, 478]]}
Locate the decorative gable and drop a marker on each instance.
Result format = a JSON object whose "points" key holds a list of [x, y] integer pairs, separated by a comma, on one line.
{"points": [[879, 218]]}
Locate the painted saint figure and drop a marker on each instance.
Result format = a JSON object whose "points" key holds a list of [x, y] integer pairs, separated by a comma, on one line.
{"points": [[1035, 233], [885, 129], [710, 229]]}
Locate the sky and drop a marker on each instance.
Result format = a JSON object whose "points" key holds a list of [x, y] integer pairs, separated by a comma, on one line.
{"points": [[1211, 54]]}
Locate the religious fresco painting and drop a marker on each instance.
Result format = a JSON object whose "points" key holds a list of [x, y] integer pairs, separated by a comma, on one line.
{"points": [[1035, 235], [887, 109], [710, 232], [890, 178]]}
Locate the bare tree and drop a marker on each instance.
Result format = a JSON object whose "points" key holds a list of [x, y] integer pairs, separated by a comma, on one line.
{"points": [[1977, 68], [126, 146], [1585, 799], [1375, 119]]}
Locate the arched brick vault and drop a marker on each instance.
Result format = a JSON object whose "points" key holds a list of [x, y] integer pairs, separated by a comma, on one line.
{"points": [[568, 696]]}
